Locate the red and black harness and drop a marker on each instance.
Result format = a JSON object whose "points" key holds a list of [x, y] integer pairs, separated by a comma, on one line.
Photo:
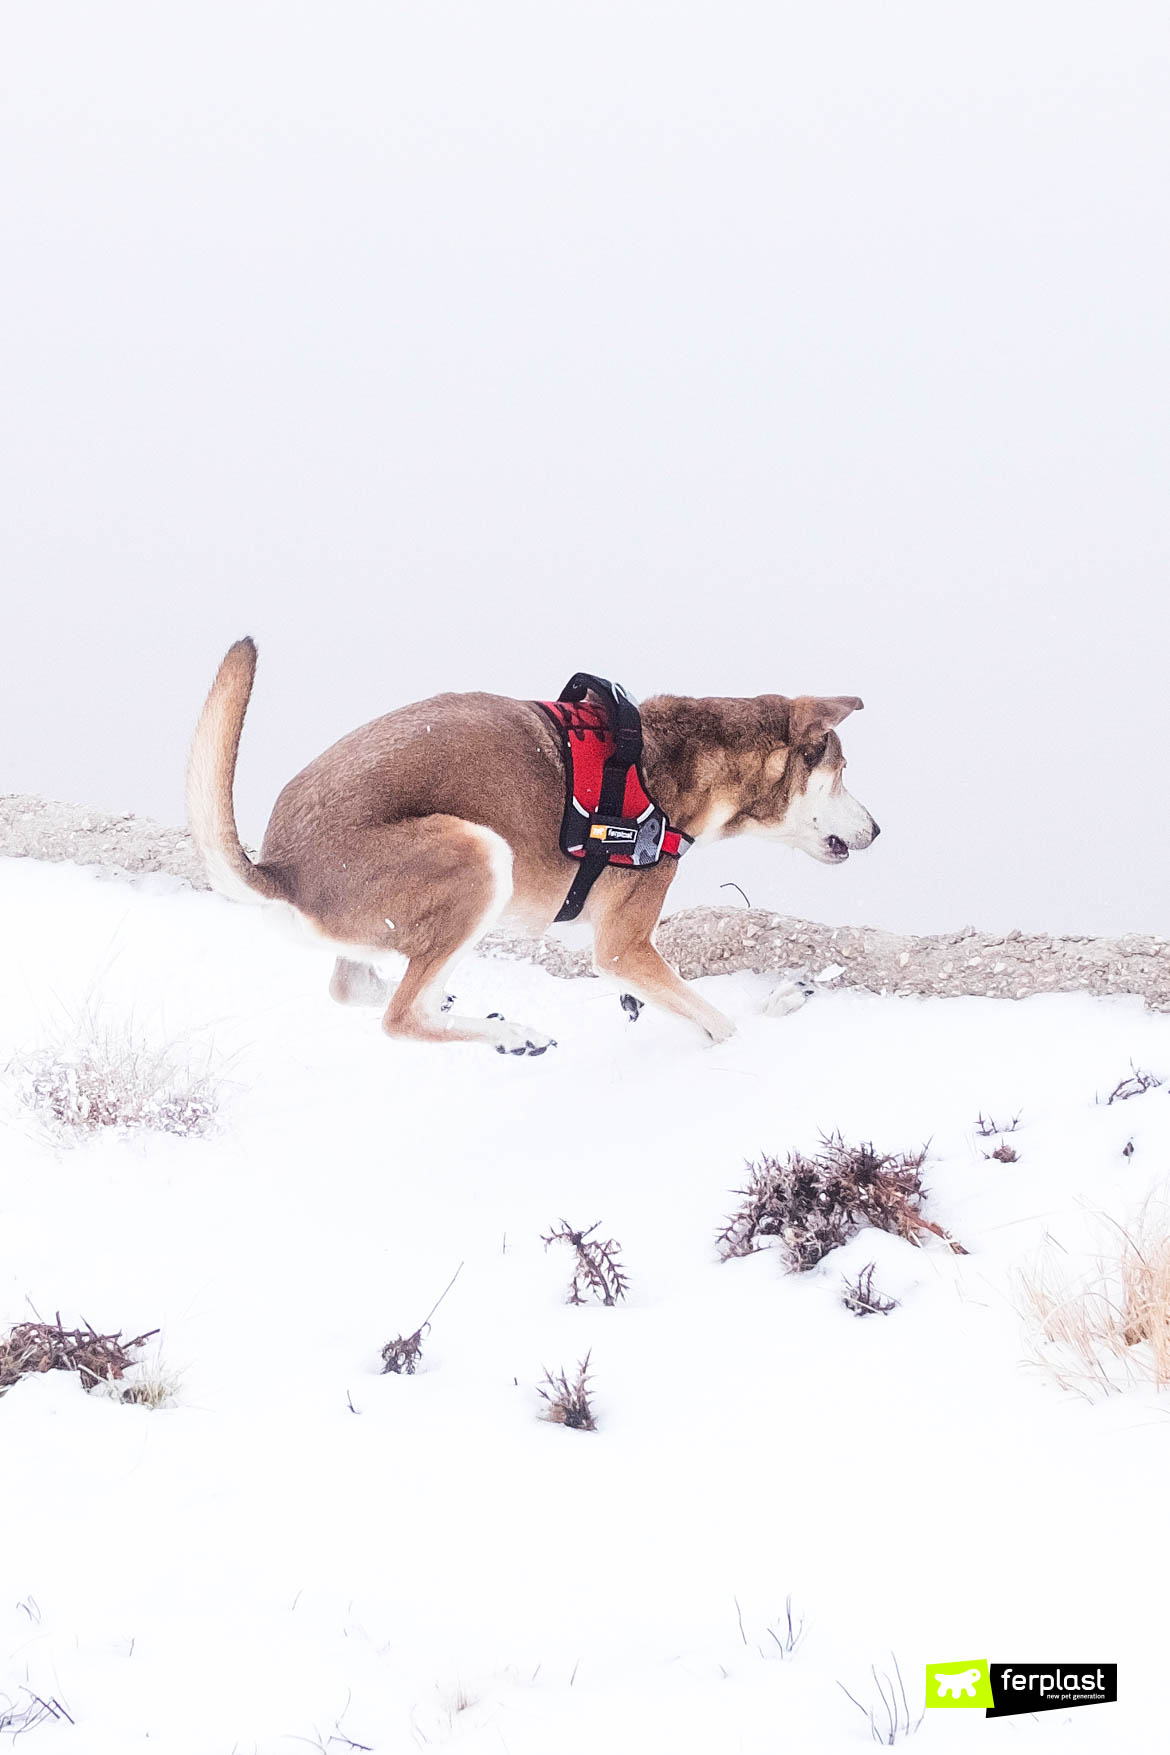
{"points": [[610, 818]]}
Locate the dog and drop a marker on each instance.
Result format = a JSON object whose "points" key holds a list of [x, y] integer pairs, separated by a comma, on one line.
{"points": [[421, 831]]}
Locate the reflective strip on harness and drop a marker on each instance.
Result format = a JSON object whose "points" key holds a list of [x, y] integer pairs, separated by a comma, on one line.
{"points": [[609, 818]]}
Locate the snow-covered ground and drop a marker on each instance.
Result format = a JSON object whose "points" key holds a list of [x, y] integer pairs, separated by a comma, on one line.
{"points": [[302, 1551]]}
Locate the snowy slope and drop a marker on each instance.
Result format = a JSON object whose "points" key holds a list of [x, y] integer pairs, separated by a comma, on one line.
{"points": [[303, 1548]]}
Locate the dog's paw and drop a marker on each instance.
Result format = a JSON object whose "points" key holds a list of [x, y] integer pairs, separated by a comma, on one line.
{"points": [[518, 1038], [788, 995], [632, 1007]]}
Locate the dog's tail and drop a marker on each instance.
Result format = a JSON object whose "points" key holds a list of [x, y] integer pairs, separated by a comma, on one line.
{"points": [[211, 771]]}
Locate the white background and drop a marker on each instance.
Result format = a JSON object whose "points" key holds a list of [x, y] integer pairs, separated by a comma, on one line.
{"points": [[721, 348]]}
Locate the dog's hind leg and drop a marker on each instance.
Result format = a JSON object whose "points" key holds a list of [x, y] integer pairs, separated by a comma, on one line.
{"points": [[413, 1012], [465, 875], [357, 984], [427, 888], [789, 995]]}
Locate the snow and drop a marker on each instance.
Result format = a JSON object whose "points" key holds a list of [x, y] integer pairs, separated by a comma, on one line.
{"points": [[302, 1548]]}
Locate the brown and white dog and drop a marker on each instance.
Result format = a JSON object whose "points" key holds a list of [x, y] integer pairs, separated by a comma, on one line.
{"points": [[421, 831]]}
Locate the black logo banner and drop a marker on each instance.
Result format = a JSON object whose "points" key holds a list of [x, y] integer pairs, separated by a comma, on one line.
{"points": [[1050, 1687]]}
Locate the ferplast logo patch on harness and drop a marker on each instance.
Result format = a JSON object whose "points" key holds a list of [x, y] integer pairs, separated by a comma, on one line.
{"points": [[612, 832]]}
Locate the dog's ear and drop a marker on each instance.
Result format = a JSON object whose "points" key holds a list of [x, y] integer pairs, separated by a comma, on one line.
{"points": [[812, 717]]}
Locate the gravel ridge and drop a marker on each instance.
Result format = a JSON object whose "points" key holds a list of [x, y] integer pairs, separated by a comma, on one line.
{"points": [[698, 941]]}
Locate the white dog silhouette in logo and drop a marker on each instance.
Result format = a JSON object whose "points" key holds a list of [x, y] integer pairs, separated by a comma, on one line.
{"points": [[963, 1683]]}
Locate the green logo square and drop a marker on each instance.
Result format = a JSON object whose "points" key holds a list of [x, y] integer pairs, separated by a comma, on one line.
{"points": [[959, 1683]]}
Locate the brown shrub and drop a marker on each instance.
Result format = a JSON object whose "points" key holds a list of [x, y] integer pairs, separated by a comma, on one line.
{"points": [[33, 1347], [812, 1204]]}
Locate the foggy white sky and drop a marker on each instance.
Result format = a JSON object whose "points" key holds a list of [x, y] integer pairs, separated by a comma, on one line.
{"points": [[721, 348]]}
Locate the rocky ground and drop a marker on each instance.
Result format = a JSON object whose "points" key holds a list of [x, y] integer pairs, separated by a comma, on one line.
{"points": [[698, 941]]}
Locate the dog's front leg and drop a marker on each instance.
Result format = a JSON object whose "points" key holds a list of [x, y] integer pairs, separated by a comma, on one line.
{"points": [[623, 917]]}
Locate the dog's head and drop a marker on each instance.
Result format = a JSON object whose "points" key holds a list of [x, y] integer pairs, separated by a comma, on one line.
{"points": [[803, 801]]}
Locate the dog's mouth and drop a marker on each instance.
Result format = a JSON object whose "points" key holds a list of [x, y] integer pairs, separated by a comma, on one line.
{"points": [[835, 849]]}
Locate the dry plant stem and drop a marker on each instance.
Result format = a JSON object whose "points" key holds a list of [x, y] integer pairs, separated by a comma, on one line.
{"points": [[893, 1721], [1132, 1086], [24, 1718], [402, 1354], [793, 1634]]}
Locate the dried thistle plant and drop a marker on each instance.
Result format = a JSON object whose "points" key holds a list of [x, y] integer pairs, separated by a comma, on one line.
{"points": [[568, 1403], [34, 1347], [598, 1275], [812, 1204], [861, 1298], [402, 1354], [1132, 1086], [986, 1125], [1005, 1153]]}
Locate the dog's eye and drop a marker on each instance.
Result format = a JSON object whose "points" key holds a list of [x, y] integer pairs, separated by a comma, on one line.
{"points": [[814, 755]]}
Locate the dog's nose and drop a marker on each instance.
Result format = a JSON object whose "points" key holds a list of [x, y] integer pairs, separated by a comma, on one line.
{"points": [[876, 831]]}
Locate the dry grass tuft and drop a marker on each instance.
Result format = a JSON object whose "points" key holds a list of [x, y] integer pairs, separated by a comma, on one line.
{"points": [[568, 1403], [1004, 1153], [95, 1074], [1145, 1297], [812, 1204], [34, 1347], [152, 1386], [598, 1274], [1104, 1332]]}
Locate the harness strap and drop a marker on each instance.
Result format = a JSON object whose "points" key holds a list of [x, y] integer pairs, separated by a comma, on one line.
{"points": [[610, 818]]}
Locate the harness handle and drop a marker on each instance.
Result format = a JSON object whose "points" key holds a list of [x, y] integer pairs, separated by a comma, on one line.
{"points": [[622, 712]]}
